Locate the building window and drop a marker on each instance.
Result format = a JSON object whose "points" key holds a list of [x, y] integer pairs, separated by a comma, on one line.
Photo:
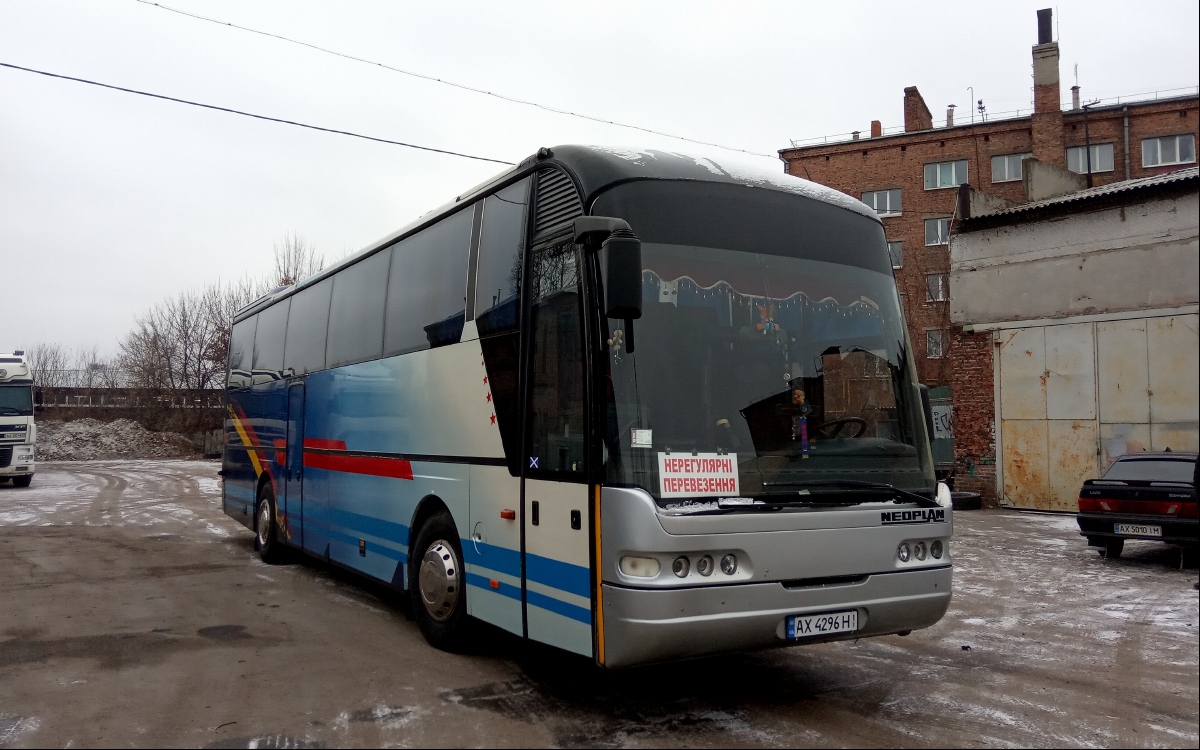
{"points": [[896, 250], [885, 202], [1171, 149], [935, 287], [945, 174], [937, 231], [1007, 168], [1102, 158], [934, 343]]}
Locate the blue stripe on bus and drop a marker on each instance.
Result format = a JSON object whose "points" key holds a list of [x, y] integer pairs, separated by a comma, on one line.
{"points": [[379, 541], [500, 559], [396, 532], [506, 589], [573, 579], [373, 548], [559, 607], [243, 493]]}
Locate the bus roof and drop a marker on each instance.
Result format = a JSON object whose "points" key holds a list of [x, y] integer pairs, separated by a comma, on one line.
{"points": [[595, 168]]}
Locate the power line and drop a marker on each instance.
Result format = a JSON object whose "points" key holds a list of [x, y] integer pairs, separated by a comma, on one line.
{"points": [[257, 117], [444, 82]]}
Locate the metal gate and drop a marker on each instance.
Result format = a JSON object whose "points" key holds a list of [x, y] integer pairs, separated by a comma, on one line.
{"points": [[1073, 397]]}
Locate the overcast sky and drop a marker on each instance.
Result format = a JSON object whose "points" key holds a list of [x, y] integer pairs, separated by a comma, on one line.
{"points": [[110, 202]]}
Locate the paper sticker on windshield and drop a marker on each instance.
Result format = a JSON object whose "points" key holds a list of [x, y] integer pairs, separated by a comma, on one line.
{"points": [[699, 474], [642, 438]]}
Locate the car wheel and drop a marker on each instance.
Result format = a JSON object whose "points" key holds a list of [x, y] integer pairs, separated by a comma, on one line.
{"points": [[266, 528], [22, 481], [436, 583], [1112, 548]]}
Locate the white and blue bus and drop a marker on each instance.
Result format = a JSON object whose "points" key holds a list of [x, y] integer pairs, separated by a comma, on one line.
{"points": [[635, 405]]}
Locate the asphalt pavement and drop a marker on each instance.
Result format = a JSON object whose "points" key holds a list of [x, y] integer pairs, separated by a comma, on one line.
{"points": [[133, 613]]}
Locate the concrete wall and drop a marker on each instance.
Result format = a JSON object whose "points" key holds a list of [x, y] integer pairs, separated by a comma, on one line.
{"points": [[1139, 257]]}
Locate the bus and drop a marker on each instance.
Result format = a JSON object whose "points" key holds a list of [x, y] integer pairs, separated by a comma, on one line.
{"points": [[635, 405]]}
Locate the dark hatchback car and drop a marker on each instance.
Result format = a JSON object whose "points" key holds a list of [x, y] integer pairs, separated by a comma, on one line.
{"points": [[1142, 496]]}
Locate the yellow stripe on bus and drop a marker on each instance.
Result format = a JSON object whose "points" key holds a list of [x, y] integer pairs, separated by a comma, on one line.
{"points": [[241, 431], [599, 585]]}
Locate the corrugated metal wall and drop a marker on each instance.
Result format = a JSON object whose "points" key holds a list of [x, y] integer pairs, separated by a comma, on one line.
{"points": [[1073, 397]]}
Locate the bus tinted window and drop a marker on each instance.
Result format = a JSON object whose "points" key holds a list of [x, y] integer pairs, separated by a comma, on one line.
{"points": [[356, 312], [241, 346], [426, 299], [500, 243], [307, 319], [556, 393], [268, 339]]}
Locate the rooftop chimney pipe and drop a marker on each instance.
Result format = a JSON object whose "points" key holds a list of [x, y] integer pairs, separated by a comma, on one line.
{"points": [[1074, 97], [950, 116], [1045, 29]]}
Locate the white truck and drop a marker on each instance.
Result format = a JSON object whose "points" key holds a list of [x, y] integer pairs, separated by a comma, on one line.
{"points": [[17, 430]]}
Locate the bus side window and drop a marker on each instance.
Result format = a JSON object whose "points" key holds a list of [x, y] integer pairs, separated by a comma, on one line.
{"points": [[268, 341], [501, 240], [241, 348], [308, 319], [356, 312], [556, 396], [426, 301]]}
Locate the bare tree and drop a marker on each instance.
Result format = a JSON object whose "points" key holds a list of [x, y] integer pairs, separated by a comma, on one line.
{"points": [[295, 259], [48, 364]]}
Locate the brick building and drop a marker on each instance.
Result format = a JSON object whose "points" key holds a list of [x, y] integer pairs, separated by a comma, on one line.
{"points": [[911, 179]]}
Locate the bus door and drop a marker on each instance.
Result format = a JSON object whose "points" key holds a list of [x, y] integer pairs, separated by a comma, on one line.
{"points": [[556, 551], [291, 505]]}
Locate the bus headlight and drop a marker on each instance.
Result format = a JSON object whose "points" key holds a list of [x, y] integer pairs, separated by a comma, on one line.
{"points": [[935, 549], [640, 567], [919, 550], [704, 566], [903, 552], [729, 564], [681, 566]]}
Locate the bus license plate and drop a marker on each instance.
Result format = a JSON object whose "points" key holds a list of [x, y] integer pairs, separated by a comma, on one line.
{"points": [[1138, 529], [814, 626]]}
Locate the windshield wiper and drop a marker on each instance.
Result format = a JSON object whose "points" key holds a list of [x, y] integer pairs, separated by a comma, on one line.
{"points": [[898, 495]]}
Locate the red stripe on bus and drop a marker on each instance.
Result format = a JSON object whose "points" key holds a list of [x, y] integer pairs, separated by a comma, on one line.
{"points": [[396, 468], [328, 445]]}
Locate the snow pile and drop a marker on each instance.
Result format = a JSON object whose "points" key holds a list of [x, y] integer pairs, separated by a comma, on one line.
{"points": [[92, 440]]}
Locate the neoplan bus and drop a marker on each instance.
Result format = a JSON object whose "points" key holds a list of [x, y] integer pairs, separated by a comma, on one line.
{"points": [[634, 405]]}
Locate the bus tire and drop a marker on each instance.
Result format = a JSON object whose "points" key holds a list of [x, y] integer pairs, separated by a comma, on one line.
{"points": [[266, 530], [22, 481], [437, 583]]}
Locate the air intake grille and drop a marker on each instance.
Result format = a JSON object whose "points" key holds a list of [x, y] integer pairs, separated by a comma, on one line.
{"points": [[557, 203], [5, 456]]}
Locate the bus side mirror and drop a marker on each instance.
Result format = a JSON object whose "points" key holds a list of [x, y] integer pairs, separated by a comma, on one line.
{"points": [[620, 263]]}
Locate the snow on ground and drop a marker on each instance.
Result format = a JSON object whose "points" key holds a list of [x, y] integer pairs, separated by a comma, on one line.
{"points": [[93, 440]]}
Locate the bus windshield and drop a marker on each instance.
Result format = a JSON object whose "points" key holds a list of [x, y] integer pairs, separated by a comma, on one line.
{"points": [[16, 400], [774, 363]]}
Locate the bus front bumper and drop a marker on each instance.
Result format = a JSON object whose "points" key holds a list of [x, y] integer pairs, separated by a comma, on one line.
{"points": [[648, 625]]}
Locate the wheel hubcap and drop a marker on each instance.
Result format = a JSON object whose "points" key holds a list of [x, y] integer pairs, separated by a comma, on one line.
{"points": [[264, 524], [439, 580]]}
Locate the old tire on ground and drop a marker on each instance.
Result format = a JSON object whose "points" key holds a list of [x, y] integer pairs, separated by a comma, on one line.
{"points": [[266, 528], [1112, 548], [22, 481], [966, 500], [436, 583]]}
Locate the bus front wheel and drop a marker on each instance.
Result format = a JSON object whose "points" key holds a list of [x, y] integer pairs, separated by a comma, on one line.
{"points": [[436, 583], [266, 529]]}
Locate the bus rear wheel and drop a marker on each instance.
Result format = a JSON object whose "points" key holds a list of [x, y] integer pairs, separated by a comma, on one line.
{"points": [[266, 529], [436, 583]]}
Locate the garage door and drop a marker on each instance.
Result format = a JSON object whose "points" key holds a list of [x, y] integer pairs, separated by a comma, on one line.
{"points": [[1075, 396]]}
